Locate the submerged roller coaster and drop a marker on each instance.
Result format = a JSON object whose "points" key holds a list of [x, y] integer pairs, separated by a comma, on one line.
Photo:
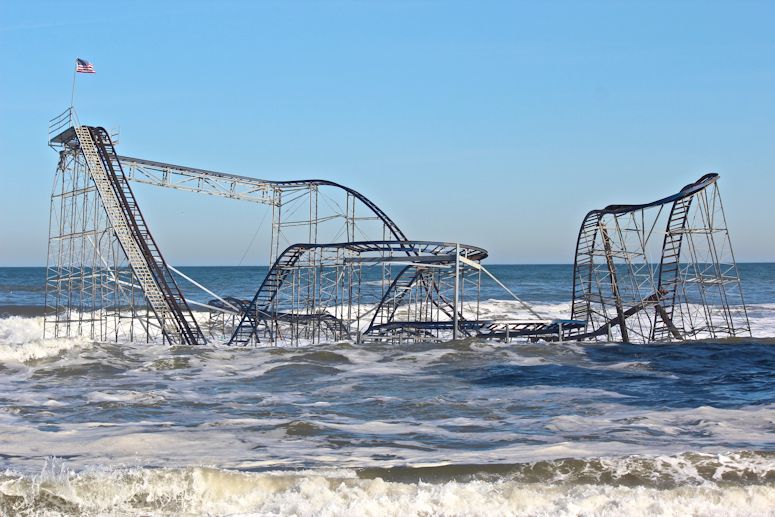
{"points": [[342, 269], [660, 271]]}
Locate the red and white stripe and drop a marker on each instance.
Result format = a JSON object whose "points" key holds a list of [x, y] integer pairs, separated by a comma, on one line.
{"points": [[84, 67]]}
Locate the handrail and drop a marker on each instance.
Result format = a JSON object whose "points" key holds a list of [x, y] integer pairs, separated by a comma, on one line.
{"points": [[62, 121], [147, 247]]}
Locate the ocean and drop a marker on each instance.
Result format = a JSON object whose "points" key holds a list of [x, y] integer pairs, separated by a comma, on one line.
{"points": [[461, 428]]}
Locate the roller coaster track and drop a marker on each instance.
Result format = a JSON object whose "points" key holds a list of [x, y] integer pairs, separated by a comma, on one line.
{"points": [[236, 187], [151, 271], [397, 291], [669, 270], [215, 183], [260, 306], [395, 295], [664, 297], [259, 191]]}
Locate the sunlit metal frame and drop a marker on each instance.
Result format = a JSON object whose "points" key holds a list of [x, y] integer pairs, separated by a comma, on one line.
{"points": [[660, 271]]}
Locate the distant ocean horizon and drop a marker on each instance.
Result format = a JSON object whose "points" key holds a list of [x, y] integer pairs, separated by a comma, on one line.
{"points": [[22, 288]]}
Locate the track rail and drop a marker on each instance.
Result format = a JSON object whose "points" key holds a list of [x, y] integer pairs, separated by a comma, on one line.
{"points": [[260, 306], [583, 266], [164, 297], [236, 187]]}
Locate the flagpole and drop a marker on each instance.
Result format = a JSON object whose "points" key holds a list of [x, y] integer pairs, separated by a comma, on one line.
{"points": [[72, 93]]}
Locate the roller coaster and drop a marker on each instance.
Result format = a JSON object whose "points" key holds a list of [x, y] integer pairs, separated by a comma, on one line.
{"points": [[342, 269], [635, 283]]}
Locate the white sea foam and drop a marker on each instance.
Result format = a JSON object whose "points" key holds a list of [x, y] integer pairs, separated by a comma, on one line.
{"points": [[512, 309], [16, 329], [611, 429], [762, 318], [348, 407], [124, 396], [21, 340], [197, 491]]}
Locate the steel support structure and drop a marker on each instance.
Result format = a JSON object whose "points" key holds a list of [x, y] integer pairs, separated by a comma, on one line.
{"points": [[329, 292], [97, 230], [309, 211], [660, 271], [101, 277], [90, 289], [342, 269]]}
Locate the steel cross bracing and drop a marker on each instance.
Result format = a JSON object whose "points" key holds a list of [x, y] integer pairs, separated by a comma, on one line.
{"points": [[301, 209], [175, 318], [90, 280], [90, 290], [643, 273], [318, 292]]}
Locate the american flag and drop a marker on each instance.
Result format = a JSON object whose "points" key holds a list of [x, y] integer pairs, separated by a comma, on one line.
{"points": [[83, 66]]}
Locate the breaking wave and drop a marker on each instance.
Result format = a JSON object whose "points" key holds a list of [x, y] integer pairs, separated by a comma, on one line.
{"points": [[691, 484], [21, 340], [466, 428]]}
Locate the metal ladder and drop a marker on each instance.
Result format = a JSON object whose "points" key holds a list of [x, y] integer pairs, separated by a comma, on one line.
{"points": [[163, 294]]}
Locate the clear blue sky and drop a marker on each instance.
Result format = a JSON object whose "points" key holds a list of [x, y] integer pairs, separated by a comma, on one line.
{"points": [[495, 123]]}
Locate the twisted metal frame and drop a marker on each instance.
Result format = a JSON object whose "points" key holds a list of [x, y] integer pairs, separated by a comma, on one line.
{"points": [[324, 292], [627, 287]]}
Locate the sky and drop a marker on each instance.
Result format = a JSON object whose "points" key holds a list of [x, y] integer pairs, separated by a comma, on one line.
{"points": [[498, 124]]}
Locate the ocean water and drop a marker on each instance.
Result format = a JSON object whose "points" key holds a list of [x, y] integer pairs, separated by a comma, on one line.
{"points": [[464, 428]]}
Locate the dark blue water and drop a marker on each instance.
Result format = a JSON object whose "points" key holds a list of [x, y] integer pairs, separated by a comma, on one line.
{"points": [[459, 428]]}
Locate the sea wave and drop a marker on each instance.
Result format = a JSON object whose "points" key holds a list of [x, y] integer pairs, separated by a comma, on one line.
{"points": [[18, 330], [462, 428], [741, 483], [21, 340]]}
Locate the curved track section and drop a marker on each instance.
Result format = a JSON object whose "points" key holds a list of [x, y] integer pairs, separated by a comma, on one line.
{"points": [[340, 257], [583, 266], [237, 187], [395, 231], [617, 287], [406, 279]]}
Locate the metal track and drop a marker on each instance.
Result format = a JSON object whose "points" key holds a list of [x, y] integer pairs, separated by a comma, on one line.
{"points": [[694, 293], [149, 268], [236, 187], [669, 271], [261, 309]]}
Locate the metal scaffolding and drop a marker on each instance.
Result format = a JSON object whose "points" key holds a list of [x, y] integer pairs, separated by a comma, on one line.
{"points": [[366, 291], [661, 271], [90, 289], [97, 230], [347, 272], [341, 269]]}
